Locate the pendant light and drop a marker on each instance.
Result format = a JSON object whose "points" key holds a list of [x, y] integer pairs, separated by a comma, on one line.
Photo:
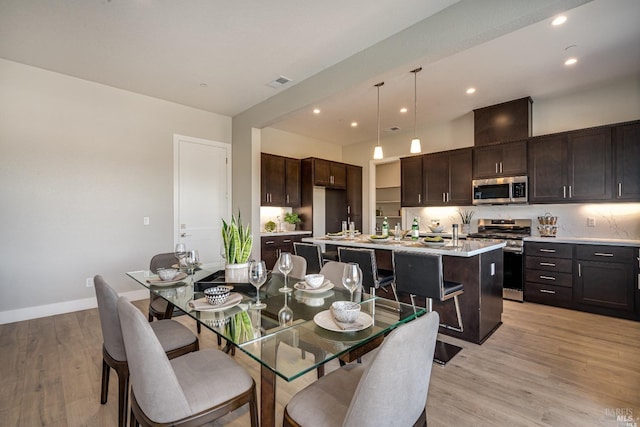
{"points": [[377, 152], [415, 142]]}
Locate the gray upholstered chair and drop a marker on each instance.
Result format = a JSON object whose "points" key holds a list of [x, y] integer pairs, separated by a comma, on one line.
{"points": [[333, 271], [191, 390], [389, 391], [312, 253], [299, 267], [159, 307], [175, 340], [372, 277]]}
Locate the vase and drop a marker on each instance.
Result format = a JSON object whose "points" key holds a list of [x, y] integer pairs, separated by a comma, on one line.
{"points": [[466, 228], [236, 273], [289, 227]]}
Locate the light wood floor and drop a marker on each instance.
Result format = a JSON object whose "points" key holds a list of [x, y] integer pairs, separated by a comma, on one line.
{"points": [[545, 366]]}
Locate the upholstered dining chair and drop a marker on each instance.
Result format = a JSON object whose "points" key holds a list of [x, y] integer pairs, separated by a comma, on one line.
{"points": [[299, 267], [310, 252], [175, 340], [391, 390], [160, 308], [372, 277], [191, 390]]}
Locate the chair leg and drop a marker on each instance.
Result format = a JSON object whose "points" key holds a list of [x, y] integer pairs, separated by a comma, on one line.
{"points": [[104, 393], [123, 397]]}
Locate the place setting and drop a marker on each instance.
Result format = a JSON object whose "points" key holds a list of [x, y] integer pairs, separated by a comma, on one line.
{"points": [[167, 277], [314, 284], [218, 298]]}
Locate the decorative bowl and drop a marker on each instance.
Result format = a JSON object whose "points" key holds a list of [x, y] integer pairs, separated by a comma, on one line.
{"points": [[314, 280], [167, 273], [345, 311], [217, 295], [436, 228]]}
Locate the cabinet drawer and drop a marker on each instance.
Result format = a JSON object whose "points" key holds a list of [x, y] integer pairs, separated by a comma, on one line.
{"points": [[560, 265], [547, 294], [549, 277], [622, 254], [549, 250]]}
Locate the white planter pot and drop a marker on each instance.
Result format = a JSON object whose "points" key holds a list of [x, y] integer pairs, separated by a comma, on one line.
{"points": [[236, 273], [289, 227]]}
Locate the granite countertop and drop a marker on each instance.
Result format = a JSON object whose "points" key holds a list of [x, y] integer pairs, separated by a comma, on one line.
{"points": [[462, 249], [584, 240], [284, 233]]}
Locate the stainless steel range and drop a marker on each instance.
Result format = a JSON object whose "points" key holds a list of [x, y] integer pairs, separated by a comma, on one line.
{"points": [[511, 231]]}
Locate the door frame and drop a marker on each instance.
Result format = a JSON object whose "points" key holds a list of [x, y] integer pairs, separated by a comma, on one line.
{"points": [[176, 176]]}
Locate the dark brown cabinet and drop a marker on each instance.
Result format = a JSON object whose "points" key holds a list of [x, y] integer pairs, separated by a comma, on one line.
{"points": [[548, 273], [411, 181], [571, 167], [272, 246], [354, 195], [605, 277], [279, 181], [500, 160], [329, 174], [447, 178], [627, 162]]}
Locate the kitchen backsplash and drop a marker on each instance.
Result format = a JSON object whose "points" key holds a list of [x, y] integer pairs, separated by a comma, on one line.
{"points": [[612, 220]]}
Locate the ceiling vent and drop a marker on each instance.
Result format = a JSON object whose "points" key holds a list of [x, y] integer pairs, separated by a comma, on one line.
{"points": [[279, 82], [393, 129]]}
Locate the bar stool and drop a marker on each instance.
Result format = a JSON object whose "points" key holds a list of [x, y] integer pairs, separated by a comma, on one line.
{"points": [[372, 278], [420, 275]]}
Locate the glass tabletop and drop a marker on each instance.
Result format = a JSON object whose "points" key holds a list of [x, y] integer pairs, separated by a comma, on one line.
{"points": [[289, 350]]}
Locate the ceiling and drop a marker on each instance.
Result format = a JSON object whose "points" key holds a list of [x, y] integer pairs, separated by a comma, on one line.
{"points": [[219, 56]]}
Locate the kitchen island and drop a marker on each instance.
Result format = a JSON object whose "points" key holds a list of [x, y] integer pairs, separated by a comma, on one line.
{"points": [[477, 265]]}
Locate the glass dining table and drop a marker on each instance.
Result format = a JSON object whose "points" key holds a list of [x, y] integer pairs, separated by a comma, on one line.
{"points": [[266, 338]]}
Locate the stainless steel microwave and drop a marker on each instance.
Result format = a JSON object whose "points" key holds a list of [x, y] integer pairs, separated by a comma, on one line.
{"points": [[500, 191]]}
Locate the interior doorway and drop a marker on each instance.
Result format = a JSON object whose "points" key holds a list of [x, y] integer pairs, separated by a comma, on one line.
{"points": [[202, 194], [387, 194]]}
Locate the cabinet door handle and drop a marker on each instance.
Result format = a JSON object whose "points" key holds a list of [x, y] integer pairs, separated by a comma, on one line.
{"points": [[444, 197], [547, 264], [419, 198], [603, 254], [579, 270], [500, 167], [496, 167], [570, 196], [547, 291], [348, 209], [548, 250], [287, 199], [619, 189], [547, 278], [564, 191], [269, 242]]}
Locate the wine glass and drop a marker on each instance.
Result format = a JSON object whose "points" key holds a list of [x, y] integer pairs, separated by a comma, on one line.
{"points": [[192, 259], [285, 265], [180, 252], [257, 277], [285, 315], [352, 277]]}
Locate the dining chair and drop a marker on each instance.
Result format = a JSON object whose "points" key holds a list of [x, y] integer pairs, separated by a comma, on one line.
{"points": [[310, 252], [175, 340], [421, 275], [299, 269], [191, 390], [391, 390], [372, 277], [160, 308]]}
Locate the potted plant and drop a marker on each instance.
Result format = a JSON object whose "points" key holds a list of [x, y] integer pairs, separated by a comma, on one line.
{"points": [[466, 216], [237, 241], [292, 219]]}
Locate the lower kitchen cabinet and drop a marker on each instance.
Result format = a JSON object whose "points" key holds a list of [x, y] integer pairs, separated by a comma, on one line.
{"points": [[272, 246], [548, 273]]}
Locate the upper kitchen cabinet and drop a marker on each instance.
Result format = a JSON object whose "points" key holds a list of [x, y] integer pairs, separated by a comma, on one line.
{"points": [[447, 178], [329, 174], [491, 161], [626, 146], [571, 167], [279, 181], [411, 181], [354, 195]]}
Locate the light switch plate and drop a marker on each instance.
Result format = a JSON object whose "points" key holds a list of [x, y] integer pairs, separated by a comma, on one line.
{"points": [[591, 221]]}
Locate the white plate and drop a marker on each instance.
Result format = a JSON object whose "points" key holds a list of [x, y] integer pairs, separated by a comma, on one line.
{"points": [[378, 240], [157, 281], [202, 304], [301, 286], [335, 237], [324, 319], [433, 243]]}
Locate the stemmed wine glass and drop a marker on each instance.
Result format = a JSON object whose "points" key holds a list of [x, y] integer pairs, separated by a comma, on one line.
{"points": [[285, 315], [192, 259], [352, 277], [257, 277], [180, 252], [285, 265]]}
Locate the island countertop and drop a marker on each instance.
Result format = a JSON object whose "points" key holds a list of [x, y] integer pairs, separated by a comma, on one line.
{"points": [[463, 248]]}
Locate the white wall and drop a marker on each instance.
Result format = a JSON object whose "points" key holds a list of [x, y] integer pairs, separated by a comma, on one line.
{"points": [[81, 164], [281, 143]]}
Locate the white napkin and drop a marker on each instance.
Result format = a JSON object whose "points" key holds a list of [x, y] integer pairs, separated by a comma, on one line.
{"points": [[201, 304], [355, 326]]}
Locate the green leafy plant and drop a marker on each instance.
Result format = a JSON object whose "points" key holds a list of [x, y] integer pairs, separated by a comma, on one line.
{"points": [[466, 216], [292, 218], [237, 240]]}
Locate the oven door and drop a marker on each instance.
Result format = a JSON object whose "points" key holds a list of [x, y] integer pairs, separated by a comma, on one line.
{"points": [[513, 276]]}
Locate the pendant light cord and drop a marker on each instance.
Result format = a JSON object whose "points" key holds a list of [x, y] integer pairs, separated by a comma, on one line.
{"points": [[378, 86], [415, 100]]}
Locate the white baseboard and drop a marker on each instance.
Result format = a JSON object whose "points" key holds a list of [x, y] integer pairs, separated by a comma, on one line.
{"points": [[62, 307]]}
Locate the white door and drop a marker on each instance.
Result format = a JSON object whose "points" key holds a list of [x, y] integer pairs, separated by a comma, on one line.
{"points": [[202, 176]]}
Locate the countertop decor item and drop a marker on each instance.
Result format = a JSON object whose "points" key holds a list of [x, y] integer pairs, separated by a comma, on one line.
{"points": [[237, 241], [292, 219], [270, 226]]}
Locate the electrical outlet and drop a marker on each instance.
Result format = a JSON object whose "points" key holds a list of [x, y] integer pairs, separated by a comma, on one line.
{"points": [[591, 221], [89, 282]]}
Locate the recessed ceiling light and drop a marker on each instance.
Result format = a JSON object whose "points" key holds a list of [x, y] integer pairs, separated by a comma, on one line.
{"points": [[354, 124], [559, 20], [403, 110], [570, 61], [471, 90], [316, 111]]}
